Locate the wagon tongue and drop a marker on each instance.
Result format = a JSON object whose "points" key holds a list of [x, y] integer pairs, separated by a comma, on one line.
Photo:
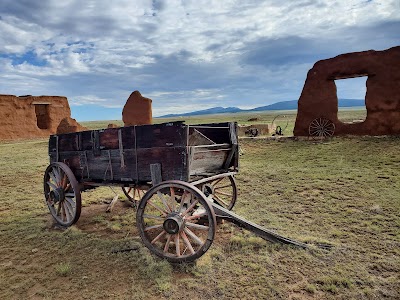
{"points": [[257, 229]]}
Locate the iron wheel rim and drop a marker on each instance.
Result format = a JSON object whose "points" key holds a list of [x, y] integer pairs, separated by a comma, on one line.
{"points": [[62, 194], [164, 202]]}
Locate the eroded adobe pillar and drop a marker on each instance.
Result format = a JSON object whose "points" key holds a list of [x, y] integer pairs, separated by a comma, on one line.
{"points": [[137, 110]]}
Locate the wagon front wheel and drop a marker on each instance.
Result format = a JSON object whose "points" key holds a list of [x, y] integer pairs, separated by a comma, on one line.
{"points": [[175, 221], [62, 194]]}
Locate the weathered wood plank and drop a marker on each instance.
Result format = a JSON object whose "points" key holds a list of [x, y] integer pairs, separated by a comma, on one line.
{"points": [[109, 139], [172, 160], [155, 171], [68, 142], [161, 135], [208, 161]]}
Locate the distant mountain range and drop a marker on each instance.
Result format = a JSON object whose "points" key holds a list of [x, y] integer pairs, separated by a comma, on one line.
{"points": [[284, 105]]}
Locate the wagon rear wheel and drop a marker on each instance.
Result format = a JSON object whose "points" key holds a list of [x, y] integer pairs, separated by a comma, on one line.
{"points": [[133, 194], [62, 194], [223, 191], [176, 222]]}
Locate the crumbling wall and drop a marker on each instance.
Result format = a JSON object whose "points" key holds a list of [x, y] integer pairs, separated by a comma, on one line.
{"points": [[68, 125], [31, 116], [262, 129], [382, 100], [137, 110]]}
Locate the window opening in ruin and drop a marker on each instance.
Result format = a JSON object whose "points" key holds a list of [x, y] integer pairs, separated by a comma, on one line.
{"points": [[351, 94], [42, 116]]}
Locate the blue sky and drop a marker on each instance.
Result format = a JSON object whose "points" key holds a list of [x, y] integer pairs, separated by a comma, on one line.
{"points": [[185, 55]]}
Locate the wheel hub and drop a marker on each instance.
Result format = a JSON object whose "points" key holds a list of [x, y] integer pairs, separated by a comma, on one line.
{"points": [[57, 195], [208, 190], [173, 223]]}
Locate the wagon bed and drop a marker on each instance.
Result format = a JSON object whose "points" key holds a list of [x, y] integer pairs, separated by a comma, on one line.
{"points": [[125, 155]]}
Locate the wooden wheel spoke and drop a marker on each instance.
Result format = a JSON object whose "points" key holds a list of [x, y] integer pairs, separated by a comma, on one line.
{"points": [[71, 202], [162, 198], [190, 208], [153, 227], [177, 245], [183, 200], [52, 177], [172, 198], [64, 181], [59, 209], [217, 181], [166, 247], [147, 216], [222, 187], [136, 192], [193, 236], [57, 174], [67, 187], [187, 242], [67, 212], [218, 199], [196, 226], [223, 193], [62, 211], [164, 213], [158, 237], [51, 185]]}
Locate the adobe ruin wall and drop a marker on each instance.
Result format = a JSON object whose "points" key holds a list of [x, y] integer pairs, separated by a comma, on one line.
{"points": [[382, 99], [32, 116]]}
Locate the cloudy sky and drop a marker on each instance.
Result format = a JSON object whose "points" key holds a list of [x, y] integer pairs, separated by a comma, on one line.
{"points": [[184, 54]]}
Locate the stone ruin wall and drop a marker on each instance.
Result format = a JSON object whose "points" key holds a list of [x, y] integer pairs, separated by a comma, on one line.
{"points": [[382, 99], [34, 116]]}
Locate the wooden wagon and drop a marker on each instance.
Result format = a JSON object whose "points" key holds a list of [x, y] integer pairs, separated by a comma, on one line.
{"points": [[184, 169]]}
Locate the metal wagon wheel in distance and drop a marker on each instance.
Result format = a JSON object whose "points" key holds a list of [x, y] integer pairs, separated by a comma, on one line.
{"points": [[321, 127], [223, 191], [175, 221], [281, 122], [62, 194]]}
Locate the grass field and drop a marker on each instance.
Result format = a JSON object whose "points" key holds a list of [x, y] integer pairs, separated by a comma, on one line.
{"points": [[343, 191]]}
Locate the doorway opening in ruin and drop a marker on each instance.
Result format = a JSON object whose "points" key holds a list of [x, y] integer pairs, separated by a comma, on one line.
{"points": [[351, 94], [42, 116]]}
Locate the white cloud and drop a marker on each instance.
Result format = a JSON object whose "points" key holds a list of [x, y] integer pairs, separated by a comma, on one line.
{"points": [[192, 53]]}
